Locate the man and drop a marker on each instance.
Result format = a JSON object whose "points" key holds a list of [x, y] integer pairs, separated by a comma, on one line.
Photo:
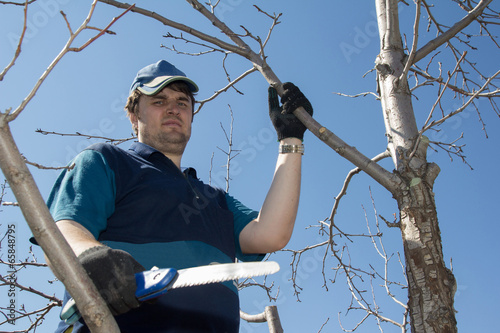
{"points": [[126, 211]]}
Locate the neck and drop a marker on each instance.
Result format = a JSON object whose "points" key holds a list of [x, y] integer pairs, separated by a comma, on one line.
{"points": [[174, 158], [172, 150]]}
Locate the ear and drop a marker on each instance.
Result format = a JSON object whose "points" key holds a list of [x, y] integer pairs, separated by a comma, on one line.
{"points": [[134, 119]]}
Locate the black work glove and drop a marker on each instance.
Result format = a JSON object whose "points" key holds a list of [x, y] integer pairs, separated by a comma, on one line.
{"points": [[112, 272], [282, 117]]}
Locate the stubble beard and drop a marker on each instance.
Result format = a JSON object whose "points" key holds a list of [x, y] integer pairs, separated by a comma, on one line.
{"points": [[172, 143]]}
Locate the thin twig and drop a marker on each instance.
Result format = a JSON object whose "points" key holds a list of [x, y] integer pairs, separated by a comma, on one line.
{"points": [[18, 49], [413, 51]]}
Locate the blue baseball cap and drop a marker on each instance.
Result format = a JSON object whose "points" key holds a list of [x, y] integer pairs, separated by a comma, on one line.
{"points": [[153, 78]]}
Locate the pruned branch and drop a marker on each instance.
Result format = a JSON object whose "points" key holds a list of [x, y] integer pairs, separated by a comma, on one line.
{"points": [[270, 315]]}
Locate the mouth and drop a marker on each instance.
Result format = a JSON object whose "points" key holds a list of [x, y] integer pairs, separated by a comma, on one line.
{"points": [[171, 123]]}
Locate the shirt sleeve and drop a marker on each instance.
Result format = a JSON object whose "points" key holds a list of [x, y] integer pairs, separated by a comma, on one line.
{"points": [[85, 192], [242, 216]]}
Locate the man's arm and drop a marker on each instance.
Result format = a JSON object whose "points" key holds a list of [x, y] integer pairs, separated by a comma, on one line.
{"points": [[272, 229], [112, 271], [78, 237]]}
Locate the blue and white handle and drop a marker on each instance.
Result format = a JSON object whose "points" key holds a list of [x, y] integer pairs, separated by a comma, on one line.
{"points": [[150, 284]]}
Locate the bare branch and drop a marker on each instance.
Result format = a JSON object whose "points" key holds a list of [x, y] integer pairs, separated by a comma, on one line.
{"points": [[450, 33], [43, 167], [270, 315], [8, 203], [18, 49], [187, 41], [358, 95], [380, 248], [416, 24], [452, 149], [257, 318], [276, 21], [17, 3], [494, 93], [67, 48], [29, 289], [351, 174], [429, 117], [101, 31], [88, 136], [230, 150], [175, 25], [463, 107], [220, 91], [296, 255]]}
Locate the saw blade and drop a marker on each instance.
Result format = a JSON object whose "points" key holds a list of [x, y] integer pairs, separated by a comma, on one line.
{"points": [[222, 272]]}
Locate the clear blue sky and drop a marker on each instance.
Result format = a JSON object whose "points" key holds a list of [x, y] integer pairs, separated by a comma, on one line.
{"points": [[323, 47]]}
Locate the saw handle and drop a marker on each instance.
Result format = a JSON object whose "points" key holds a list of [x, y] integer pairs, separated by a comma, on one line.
{"points": [[154, 283], [150, 284]]}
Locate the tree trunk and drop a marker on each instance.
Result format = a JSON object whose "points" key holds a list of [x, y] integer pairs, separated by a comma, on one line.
{"points": [[64, 262], [431, 286]]}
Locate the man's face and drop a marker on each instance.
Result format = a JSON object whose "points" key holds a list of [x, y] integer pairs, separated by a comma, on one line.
{"points": [[164, 121]]}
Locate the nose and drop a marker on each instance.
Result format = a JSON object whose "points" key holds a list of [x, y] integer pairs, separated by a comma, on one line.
{"points": [[173, 108]]}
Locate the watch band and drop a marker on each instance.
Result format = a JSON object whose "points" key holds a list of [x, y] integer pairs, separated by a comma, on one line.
{"points": [[285, 149]]}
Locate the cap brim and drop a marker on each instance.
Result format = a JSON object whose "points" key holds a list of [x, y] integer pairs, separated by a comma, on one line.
{"points": [[155, 86]]}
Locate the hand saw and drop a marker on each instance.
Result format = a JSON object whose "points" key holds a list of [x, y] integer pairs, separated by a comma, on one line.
{"points": [[156, 282]]}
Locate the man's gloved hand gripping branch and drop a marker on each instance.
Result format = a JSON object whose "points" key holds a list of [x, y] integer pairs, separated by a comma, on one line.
{"points": [[272, 229], [282, 117]]}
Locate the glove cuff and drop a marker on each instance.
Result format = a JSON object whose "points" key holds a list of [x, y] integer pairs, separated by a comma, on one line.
{"points": [[92, 250], [284, 134]]}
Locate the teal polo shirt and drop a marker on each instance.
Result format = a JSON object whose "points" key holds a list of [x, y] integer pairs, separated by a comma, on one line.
{"points": [[138, 200]]}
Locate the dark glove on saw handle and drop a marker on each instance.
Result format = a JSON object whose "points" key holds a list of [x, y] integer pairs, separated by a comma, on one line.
{"points": [[113, 273], [287, 125]]}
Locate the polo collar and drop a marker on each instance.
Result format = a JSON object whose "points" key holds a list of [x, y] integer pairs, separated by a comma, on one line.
{"points": [[143, 150], [146, 152]]}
